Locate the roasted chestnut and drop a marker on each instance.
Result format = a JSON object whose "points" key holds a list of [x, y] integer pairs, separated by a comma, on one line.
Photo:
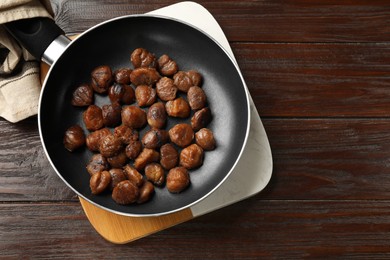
{"points": [[146, 192], [201, 118], [118, 160], [182, 81], [196, 98], [141, 57], [93, 139], [205, 139], [133, 116], [191, 157], [122, 76], [145, 95], [144, 76], [155, 138], [165, 89], [121, 93], [145, 157], [99, 182], [167, 66], [178, 108], [157, 115], [111, 114], [74, 138], [195, 76], [101, 79], [126, 134], [169, 156], [93, 118], [98, 163], [110, 145], [117, 175], [186, 79], [154, 172], [133, 149], [125, 193], [82, 96], [178, 179], [133, 175], [181, 134]]}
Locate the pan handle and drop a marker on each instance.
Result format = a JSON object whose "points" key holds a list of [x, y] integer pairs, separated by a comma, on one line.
{"points": [[40, 36]]}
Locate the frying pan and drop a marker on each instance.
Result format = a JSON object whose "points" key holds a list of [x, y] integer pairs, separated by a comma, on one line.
{"points": [[110, 43]]}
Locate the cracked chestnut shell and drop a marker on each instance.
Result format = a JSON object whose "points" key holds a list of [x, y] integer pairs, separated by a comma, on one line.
{"points": [[110, 145], [125, 192], [165, 89], [117, 175], [121, 93], [82, 96], [101, 79], [97, 163], [126, 134], [111, 114], [99, 182], [166, 65], [155, 138], [154, 172], [122, 76], [141, 57]]}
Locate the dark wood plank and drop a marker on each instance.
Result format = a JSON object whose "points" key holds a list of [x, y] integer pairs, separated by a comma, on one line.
{"points": [[319, 75], [252, 229], [313, 159], [261, 21], [298, 80], [317, 80], [329, 159], [25, 172]]}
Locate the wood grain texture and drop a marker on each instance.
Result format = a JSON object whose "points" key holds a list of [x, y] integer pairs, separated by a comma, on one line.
{"points": [[254, 21], [120, 229], [318, 72], [334, 79], [329, 159], [25, 172], [251, 229], [313, 158], [317, 80]]}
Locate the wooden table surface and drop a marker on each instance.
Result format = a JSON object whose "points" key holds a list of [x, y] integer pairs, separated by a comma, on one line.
{"points": [[319, 75]]}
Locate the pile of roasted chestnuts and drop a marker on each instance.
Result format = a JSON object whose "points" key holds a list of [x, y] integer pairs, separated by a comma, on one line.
{"points": [[143, 97]]}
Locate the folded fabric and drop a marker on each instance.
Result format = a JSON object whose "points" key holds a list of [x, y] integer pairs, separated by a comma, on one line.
{"points": [[19, 71]]}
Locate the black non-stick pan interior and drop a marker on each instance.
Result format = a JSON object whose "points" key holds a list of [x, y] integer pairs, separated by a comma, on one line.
{"points": [[111, 44]]}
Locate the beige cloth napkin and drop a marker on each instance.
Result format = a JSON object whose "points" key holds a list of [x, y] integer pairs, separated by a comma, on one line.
{"points": [[19, 71]]}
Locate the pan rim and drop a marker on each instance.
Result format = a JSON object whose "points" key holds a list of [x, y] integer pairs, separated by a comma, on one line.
{"points": [[188, 206]]}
